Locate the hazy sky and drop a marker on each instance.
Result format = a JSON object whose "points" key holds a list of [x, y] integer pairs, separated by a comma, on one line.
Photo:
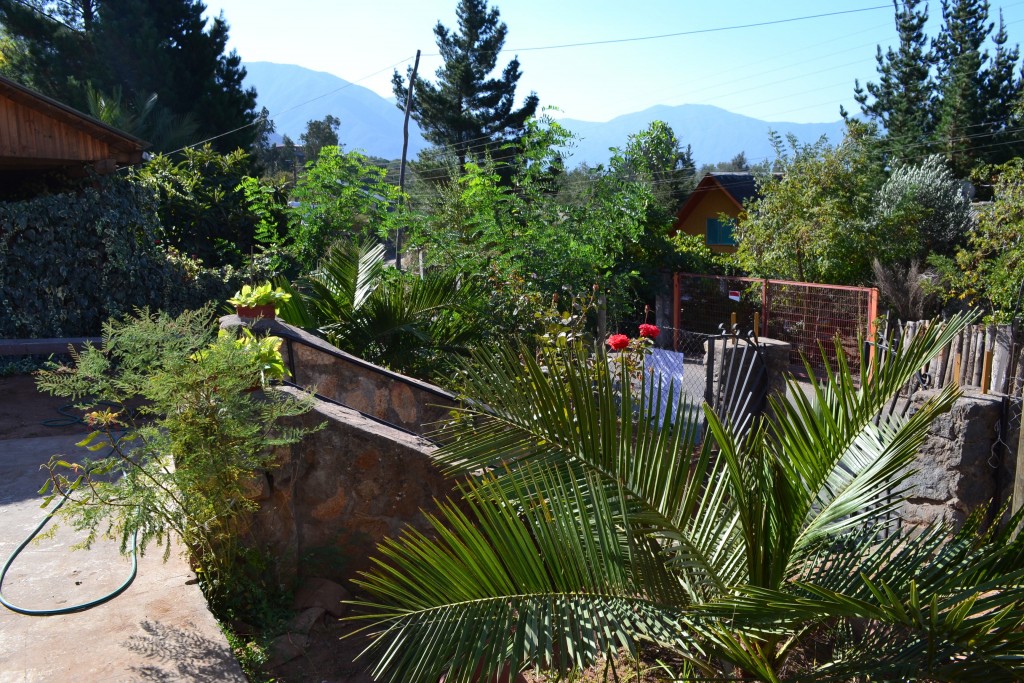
{"points": [[800, 70]]}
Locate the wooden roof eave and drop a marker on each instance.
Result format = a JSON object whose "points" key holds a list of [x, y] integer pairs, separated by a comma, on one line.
{"points": [[119, 140]]}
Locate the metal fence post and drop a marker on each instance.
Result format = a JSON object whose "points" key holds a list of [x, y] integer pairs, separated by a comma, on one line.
{"points": [[709, 380], [765, 308], [677, 305]]}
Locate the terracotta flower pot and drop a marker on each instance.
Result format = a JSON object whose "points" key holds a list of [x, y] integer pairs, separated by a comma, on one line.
{"points": [[266, 311]]}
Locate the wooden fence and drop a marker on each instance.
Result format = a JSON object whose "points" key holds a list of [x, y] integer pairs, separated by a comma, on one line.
{"points": [[990, 357]]}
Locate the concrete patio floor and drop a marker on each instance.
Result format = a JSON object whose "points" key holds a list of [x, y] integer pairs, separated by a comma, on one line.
{"points": [[160, 629]]}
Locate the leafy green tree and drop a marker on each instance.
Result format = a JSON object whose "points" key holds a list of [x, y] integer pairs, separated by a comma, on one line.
{"points": [[341, 197], [202, 211], [989, 271], [586, 524], [811, 222], [656, 157], [901, 102], [11, 53], [142, 47], [524, 239], [543, 232], [467, 111], [320, 134], [738, 164], [280, 161]]}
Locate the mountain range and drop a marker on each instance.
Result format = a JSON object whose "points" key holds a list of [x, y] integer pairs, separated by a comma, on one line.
{"points": [[373, 124]]}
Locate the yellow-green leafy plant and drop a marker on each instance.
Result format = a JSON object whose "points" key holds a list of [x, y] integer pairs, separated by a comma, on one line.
{"points": [[260, 295], [264, 352]]}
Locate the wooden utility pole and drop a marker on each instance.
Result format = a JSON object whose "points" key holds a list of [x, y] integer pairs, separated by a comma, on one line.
{"points": [[405, 152]]}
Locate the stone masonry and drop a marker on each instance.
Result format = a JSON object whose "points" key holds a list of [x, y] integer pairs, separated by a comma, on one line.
{"points": [[335, 495], [368, 474], [960, 467], [402, 401]]}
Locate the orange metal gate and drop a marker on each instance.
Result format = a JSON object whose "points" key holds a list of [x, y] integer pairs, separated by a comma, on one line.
{"points": [[809, 316]]}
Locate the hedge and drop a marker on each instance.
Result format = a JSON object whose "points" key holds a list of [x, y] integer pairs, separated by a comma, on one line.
{"points": [[68, 262]]}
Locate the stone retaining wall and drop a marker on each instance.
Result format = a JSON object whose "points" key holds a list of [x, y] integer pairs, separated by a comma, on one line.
{"points": [[402, 401], [332, 497]]}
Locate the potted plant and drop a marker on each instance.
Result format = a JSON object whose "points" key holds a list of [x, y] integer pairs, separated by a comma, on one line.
{"points": [[258, 302]]}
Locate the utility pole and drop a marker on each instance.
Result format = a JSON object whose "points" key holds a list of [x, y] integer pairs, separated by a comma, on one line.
{"points": [[405, 152]]}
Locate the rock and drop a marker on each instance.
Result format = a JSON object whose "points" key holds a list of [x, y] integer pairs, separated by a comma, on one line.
{"points": [[304, 621], [256, 487], [322, 593], [286, 647]]}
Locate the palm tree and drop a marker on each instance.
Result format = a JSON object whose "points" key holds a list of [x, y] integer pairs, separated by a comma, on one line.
{"points": [[587, 525], [409, 324], [142, 117]]}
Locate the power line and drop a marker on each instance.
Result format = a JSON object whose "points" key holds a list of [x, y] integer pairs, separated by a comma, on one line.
{"points": [[300, 104], [678, 34], [580, 182], [442, 173]]}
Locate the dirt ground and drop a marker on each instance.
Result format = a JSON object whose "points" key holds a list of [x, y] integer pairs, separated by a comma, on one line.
{"points": [[24, 410]]}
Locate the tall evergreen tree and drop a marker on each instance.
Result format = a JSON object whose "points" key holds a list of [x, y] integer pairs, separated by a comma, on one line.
{"points": [[902, 100], [1001, 92], [962, 112], [467, 111], [137, 48]]}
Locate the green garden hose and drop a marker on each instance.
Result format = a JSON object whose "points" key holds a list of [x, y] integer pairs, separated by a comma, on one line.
{"points": [[58, 422], [68, 418], [73, 608]]}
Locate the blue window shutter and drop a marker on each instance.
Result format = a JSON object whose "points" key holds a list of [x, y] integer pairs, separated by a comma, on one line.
{"points": [[719, 233]]}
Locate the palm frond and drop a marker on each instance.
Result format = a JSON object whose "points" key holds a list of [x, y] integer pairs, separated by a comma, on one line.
{"points": [[953, 601], [513, 581], [821, 466], [567, 411]]}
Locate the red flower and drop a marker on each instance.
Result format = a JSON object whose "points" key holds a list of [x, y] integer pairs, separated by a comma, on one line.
{"points": [[618, 342], [649, 331]]}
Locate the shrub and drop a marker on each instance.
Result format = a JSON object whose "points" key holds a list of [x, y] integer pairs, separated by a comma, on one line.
{"points": [[182, 438], [929, 204], [70, 261]]}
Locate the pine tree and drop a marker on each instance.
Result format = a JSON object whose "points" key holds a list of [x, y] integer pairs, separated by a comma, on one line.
{"points": [[902, 101], [962, 113], [1001, 92], [467, 111], [137, 48]]}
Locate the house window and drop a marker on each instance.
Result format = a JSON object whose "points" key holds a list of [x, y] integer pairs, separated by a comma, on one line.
{"points": [[720, 233]]}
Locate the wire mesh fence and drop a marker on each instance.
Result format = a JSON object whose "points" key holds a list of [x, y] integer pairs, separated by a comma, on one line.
{"points": [[819, 321], [678, 358]]}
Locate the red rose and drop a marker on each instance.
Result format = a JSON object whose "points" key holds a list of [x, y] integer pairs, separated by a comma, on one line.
{"points": [[649, 331], [618, 342]]}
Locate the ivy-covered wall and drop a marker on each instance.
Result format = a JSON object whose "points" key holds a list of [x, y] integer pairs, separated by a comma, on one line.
{"points": [[68, 262]]}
